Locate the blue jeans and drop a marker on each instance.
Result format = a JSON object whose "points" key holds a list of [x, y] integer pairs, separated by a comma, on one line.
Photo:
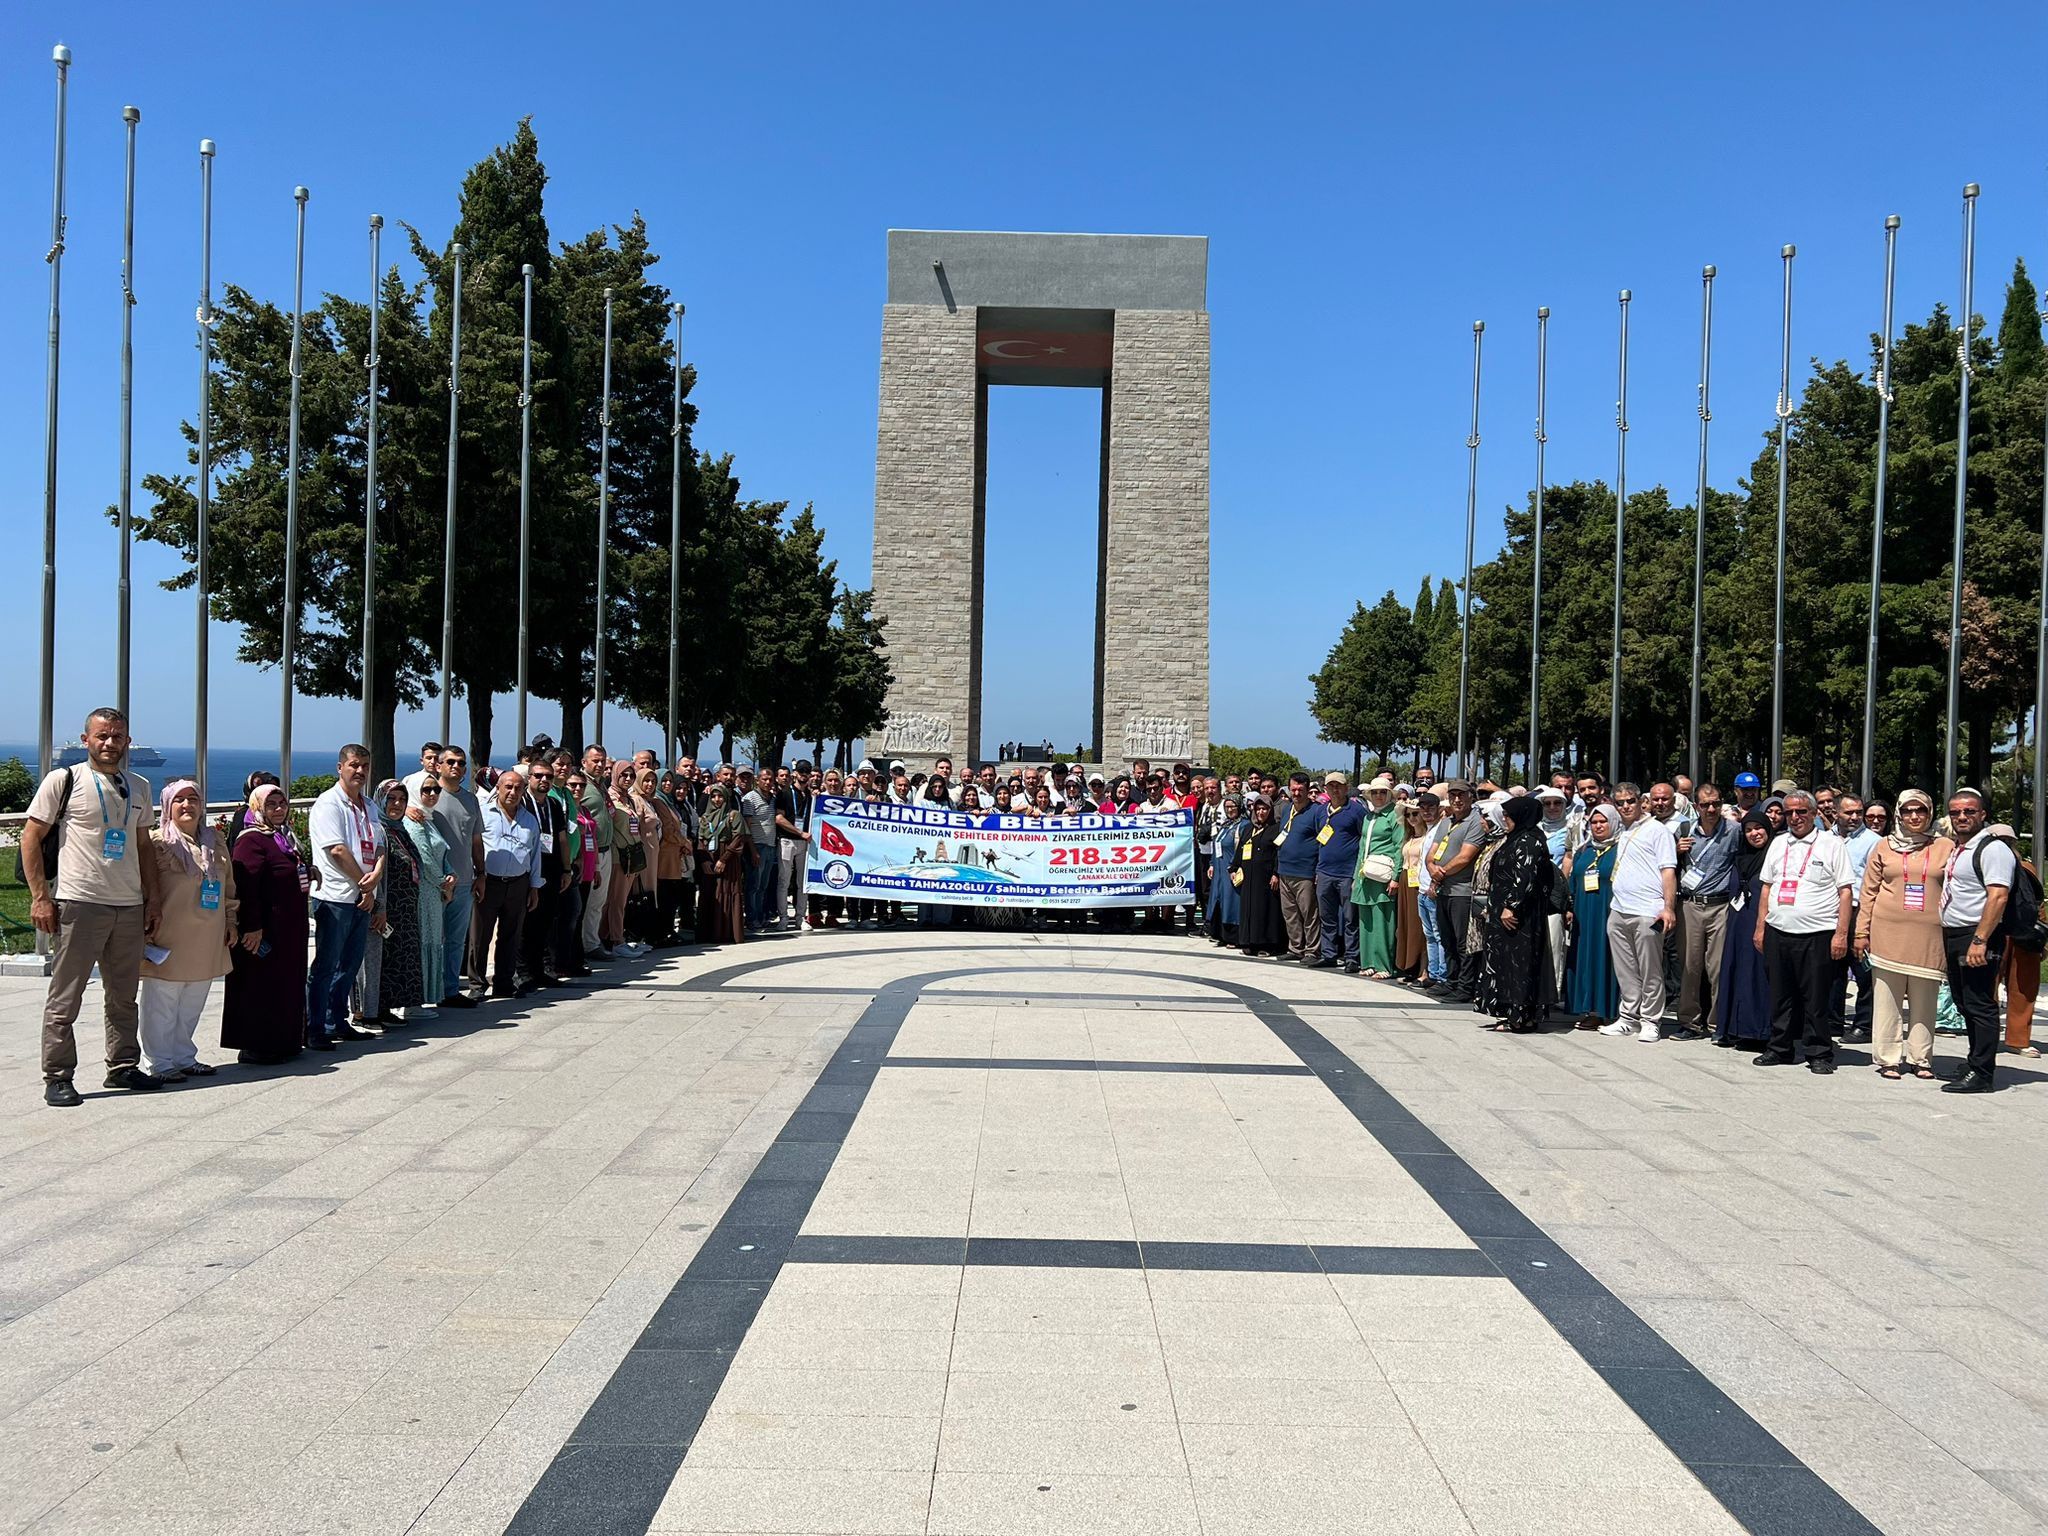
{"points": [[455, 937], [1426, 904], [340, 932], [1339, 918], [761, 880]]}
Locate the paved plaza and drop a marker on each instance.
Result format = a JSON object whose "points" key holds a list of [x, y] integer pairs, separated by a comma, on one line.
{"points": [[965, 1232]]}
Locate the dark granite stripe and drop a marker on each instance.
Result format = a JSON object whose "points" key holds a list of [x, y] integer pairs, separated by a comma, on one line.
{"points": [[617, 1466], [1079, 1064]]}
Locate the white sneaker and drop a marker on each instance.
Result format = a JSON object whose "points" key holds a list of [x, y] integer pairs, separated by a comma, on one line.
{"points": [[1650, 1035], [1617, 1028]]}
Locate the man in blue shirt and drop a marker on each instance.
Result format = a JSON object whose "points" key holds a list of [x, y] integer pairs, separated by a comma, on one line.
{"points": [[508, 885], [1299, 819], [1707, 883], [1336, 834]]}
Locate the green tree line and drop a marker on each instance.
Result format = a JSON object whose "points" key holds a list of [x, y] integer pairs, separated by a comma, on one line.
{"points": [[1390, 682], [771, 641]]}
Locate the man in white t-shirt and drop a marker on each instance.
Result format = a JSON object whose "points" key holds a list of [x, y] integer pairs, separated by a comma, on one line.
{"points": [[1803, 932], [1974, 893], [99, 902], [1645, 883], [347, 835]]}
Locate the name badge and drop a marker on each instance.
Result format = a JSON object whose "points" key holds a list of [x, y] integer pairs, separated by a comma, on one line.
{"points": [[1592, 879], [1690, 880], [114, 846], [209, 894], [1916, 895], [1788, 893], [369, 855], [1245, 853], [1324, 835], [1280, 839], [547, 842]]}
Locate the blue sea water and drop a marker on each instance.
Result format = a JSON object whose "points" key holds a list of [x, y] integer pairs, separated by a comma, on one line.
{"points": [[227, 768]]}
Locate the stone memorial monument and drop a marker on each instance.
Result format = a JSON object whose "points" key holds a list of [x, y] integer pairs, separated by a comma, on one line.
{"points": [[1125, 314]]}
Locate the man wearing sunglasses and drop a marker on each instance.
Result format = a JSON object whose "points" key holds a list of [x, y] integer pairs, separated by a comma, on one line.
{"points": [[1974, 891], [1803, 933]]}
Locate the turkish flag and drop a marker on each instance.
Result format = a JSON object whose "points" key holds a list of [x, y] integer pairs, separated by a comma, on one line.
{"points": [[833, 840], [1045, 349]]}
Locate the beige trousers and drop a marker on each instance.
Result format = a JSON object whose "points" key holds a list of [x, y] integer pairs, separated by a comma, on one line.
{"points": [[111, 938], [1902, 1008]]}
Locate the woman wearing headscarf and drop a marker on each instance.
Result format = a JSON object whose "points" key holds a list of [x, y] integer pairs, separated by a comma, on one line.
{"points": [[195, 881], [1493, 811], [2021, 971], [1774, 813], [1592, 992], [1228, 832], [1373, 877], [672, 883], [1259, 926], [1515, 982], [655, 836], [263, 1015], [724, 850], [629, 858], [401, 984], [437, 883], [1744, 1007], [1898, 930], [1411, 943]]}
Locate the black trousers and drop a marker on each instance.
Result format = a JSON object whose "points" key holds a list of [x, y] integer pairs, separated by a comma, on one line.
{"points": [[1461, 971], [540, 928], [1801, 972], [502, 909], [1975, 990], [672, 902]]}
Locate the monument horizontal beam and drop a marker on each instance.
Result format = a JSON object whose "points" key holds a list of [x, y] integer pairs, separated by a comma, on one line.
{"points": [[1048, 271]]}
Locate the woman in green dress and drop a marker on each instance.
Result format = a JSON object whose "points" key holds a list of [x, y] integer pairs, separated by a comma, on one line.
{"points": [[1591, 990], [437, 881], [1372, 883]]}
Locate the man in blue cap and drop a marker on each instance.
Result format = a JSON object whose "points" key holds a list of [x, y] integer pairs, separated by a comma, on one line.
{"points": [[1748, 790]]}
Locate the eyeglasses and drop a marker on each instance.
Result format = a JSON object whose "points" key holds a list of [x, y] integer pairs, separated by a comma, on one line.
{"points": [[1621, 800], [1914, 810], [429, 789], [1799, 812], [1962, 812]]}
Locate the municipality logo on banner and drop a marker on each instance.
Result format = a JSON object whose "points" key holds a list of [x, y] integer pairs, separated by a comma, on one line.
{"points": [[877, 850]]}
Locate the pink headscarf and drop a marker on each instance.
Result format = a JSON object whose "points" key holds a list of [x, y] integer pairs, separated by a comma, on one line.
{"points": [[201, 859]]}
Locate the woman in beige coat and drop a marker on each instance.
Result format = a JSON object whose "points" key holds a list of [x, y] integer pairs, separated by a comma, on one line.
{"points": [[1898, 929], [197, 881]]}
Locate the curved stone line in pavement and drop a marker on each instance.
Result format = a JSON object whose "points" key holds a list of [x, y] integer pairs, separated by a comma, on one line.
{"points": [[616, 1468]]}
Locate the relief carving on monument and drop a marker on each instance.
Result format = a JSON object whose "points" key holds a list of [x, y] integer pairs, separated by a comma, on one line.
{"points": [[1159, 736], [919, 733]]}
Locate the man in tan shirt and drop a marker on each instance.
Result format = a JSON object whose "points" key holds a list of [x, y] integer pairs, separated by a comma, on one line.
{"points": [[101, 907]]}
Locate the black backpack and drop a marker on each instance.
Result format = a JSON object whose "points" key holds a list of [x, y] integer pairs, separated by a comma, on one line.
{"points": [[50, 839], [2021, 922]]}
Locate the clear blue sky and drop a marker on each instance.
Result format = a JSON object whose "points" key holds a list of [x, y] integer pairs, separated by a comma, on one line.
{"points": [[1371, 181]]}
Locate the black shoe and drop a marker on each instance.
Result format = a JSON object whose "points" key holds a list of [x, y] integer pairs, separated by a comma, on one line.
{"points": [[319, 1042], [134, 1079], [1771, 1059], [503, 992], [1350, 969], [1970, 1082], [523, 989], [350, 1032], [1317, 964], [1855, 1036], [59, 1092], [458, 1000], [1821, 1065]]}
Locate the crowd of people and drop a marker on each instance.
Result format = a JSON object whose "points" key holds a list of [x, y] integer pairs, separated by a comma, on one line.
{"points": [[1662, 914], [1607, 906]]}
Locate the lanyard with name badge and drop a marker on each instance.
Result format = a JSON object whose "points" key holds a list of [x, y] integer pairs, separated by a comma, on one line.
{"points": [[113, 839], [1788, 887], [1916, 890]]}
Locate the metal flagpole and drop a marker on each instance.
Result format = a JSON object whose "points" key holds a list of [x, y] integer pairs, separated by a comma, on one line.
{"points": [[1620, 528], [604, 503], [1699, 522], [2041, 653], [46, 745], [525, 502], [1536, 585], [675, 547], [1784, 491], [370, 511], [1955, 585], [124, 647], [1884, 443], [288, 653], [202, 572], [448, 532], [1471, 522]]}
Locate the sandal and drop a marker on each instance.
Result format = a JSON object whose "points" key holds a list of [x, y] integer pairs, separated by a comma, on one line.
{"points": [[1926, 1072], [1889, 1072]]}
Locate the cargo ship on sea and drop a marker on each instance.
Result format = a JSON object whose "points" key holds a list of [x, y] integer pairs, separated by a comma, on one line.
{"points": [[73, 752]]}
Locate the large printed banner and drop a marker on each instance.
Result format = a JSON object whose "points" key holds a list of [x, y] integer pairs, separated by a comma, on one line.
{"points": [[877, 851]]}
